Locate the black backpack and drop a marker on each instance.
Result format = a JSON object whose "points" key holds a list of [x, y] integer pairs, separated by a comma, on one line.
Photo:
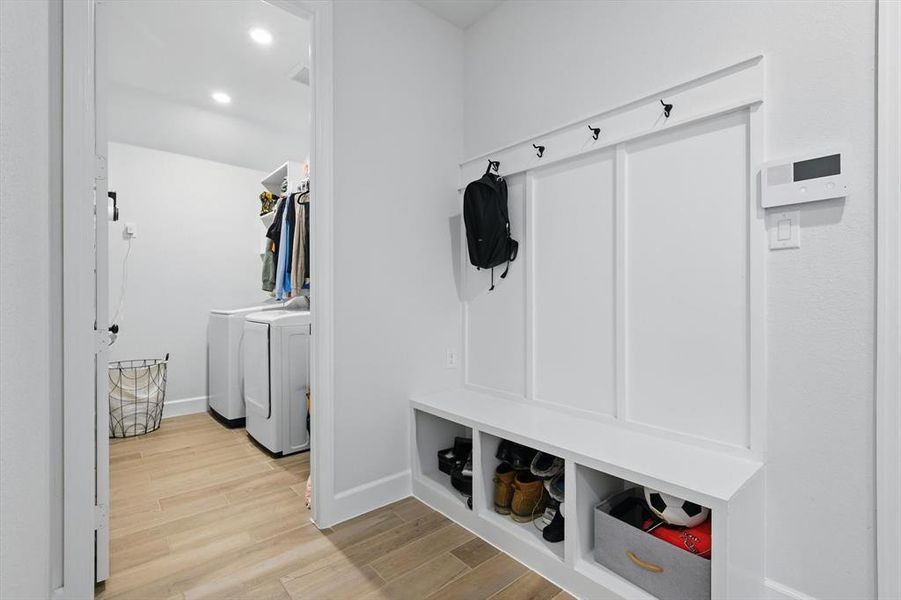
{"points": [[488, 224]]}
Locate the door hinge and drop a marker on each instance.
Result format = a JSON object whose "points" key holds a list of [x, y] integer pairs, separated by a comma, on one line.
{"points": [[99, 167], [100, 516]]}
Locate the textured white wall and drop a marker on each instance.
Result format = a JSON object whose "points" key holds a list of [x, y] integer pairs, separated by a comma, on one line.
{"points": [[146, 119], [531, 66], [24, 300], [398, 117], [197, 249]]}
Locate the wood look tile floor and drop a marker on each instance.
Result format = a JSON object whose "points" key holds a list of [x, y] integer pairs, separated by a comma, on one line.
{"points": [[198, 511]]}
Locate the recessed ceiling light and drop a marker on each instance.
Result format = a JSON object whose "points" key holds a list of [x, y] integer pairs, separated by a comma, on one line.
{"points": [[221, 97], [261, 36]]}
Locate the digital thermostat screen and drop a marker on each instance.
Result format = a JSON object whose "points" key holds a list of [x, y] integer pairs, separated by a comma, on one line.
{"points": [[818, 167]]}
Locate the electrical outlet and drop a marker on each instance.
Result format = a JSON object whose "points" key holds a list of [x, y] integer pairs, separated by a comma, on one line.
{"points": [[130, 231], [451, 358]]}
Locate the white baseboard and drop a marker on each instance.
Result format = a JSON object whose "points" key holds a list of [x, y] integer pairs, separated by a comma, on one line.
{"points": [[370, 496], [184, 406], [778, 591]]}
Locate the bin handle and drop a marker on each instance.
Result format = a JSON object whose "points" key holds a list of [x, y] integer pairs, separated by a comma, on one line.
{"points": [[644, 565]]}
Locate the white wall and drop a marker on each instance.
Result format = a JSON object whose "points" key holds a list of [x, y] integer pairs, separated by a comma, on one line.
{"points": [[398, 116], [531, 66], [142, 118], [197, 249], [25, 300]]}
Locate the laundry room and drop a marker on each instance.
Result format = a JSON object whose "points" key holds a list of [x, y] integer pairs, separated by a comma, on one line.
{"points": [[208, 130]]}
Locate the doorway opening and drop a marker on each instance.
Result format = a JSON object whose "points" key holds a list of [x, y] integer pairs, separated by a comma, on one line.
{"points": [[204, 115]]}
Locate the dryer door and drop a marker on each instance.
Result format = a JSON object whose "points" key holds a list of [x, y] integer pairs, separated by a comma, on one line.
{"points": [[257, 380]]}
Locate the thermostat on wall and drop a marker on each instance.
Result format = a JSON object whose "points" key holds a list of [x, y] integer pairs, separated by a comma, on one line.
{"points": [[795, 181]]}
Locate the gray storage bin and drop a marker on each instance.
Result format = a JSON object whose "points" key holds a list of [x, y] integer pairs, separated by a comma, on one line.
{"points": [[667, 572]]}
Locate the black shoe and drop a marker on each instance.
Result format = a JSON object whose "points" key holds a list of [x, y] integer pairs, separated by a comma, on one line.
{"points": [[519, 456], [461, 477], [554, 530], [452, 457]]}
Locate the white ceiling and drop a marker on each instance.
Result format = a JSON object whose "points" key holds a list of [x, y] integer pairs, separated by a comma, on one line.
{"points": [[461, 13], [185, 50]]}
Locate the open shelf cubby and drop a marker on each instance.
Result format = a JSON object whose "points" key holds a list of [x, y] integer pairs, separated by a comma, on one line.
{"points": [[601, 459], [590, 488], [528, 532], [433, 434]]}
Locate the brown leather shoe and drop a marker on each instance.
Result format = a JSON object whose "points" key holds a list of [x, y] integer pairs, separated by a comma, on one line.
{"points": [[503, 488], [529, 497]]}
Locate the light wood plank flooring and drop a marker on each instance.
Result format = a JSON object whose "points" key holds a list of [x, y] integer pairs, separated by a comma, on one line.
{"points": [[198, 511]]}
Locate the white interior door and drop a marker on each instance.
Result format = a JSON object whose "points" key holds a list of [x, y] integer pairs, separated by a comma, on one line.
{"points": [[101, 297]]}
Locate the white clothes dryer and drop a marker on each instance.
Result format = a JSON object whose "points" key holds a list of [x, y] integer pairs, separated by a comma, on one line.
{"points": [[225, 333], [276, 379]]}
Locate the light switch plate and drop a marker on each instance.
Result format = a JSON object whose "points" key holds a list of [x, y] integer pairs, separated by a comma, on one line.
{"points": [[784, 228]]}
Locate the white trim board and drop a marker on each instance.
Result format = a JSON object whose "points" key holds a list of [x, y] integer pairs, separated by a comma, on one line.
{"points": [[733, 87], [778, 591], [184, 406], [888, 301], [370, 496], [79, 340]]}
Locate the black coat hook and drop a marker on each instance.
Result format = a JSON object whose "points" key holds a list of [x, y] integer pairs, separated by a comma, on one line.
{"points": [[493, 165], [540, 150], [595, 131], [666, 108]]}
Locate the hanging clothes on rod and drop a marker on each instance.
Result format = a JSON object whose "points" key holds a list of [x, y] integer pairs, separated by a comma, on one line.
{"points": [[283, 287], [300, 265], [270, 255]]}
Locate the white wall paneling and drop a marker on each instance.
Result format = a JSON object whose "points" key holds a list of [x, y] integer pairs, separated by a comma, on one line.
{"points": [[640, 281], [494, 323], [686, 280], [572, 277], [633, 321]]}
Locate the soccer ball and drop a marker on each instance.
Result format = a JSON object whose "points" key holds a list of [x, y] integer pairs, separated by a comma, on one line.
{"points": [[675, 511]]}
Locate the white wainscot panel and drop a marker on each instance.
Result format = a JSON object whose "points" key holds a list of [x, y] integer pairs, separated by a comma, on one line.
{"points": [[573, 225], [495, 321], [686, 272]]}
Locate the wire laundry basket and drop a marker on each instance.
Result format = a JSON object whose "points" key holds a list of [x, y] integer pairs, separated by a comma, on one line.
{"points": [[137, 389]]}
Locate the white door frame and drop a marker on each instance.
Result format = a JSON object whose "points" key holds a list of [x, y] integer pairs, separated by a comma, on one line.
{"points": [[320, 14], [888, 300], [79, 338]]}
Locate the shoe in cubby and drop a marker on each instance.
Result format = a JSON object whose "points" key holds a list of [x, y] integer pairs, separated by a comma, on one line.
{"points": [[529, 497]]}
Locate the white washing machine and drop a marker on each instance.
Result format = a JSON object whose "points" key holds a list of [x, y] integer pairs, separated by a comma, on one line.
{"points": [[276, 379], [224, 361]]}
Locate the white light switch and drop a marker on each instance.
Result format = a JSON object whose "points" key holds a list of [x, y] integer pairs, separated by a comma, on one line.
{"points": [[784, 229]]}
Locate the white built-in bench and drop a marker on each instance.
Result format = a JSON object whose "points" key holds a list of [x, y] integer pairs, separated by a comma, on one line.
{"points": [[601, 459]]}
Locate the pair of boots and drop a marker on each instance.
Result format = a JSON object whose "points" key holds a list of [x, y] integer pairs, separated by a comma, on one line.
{"points": [[522, 495], [518, 493]]}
